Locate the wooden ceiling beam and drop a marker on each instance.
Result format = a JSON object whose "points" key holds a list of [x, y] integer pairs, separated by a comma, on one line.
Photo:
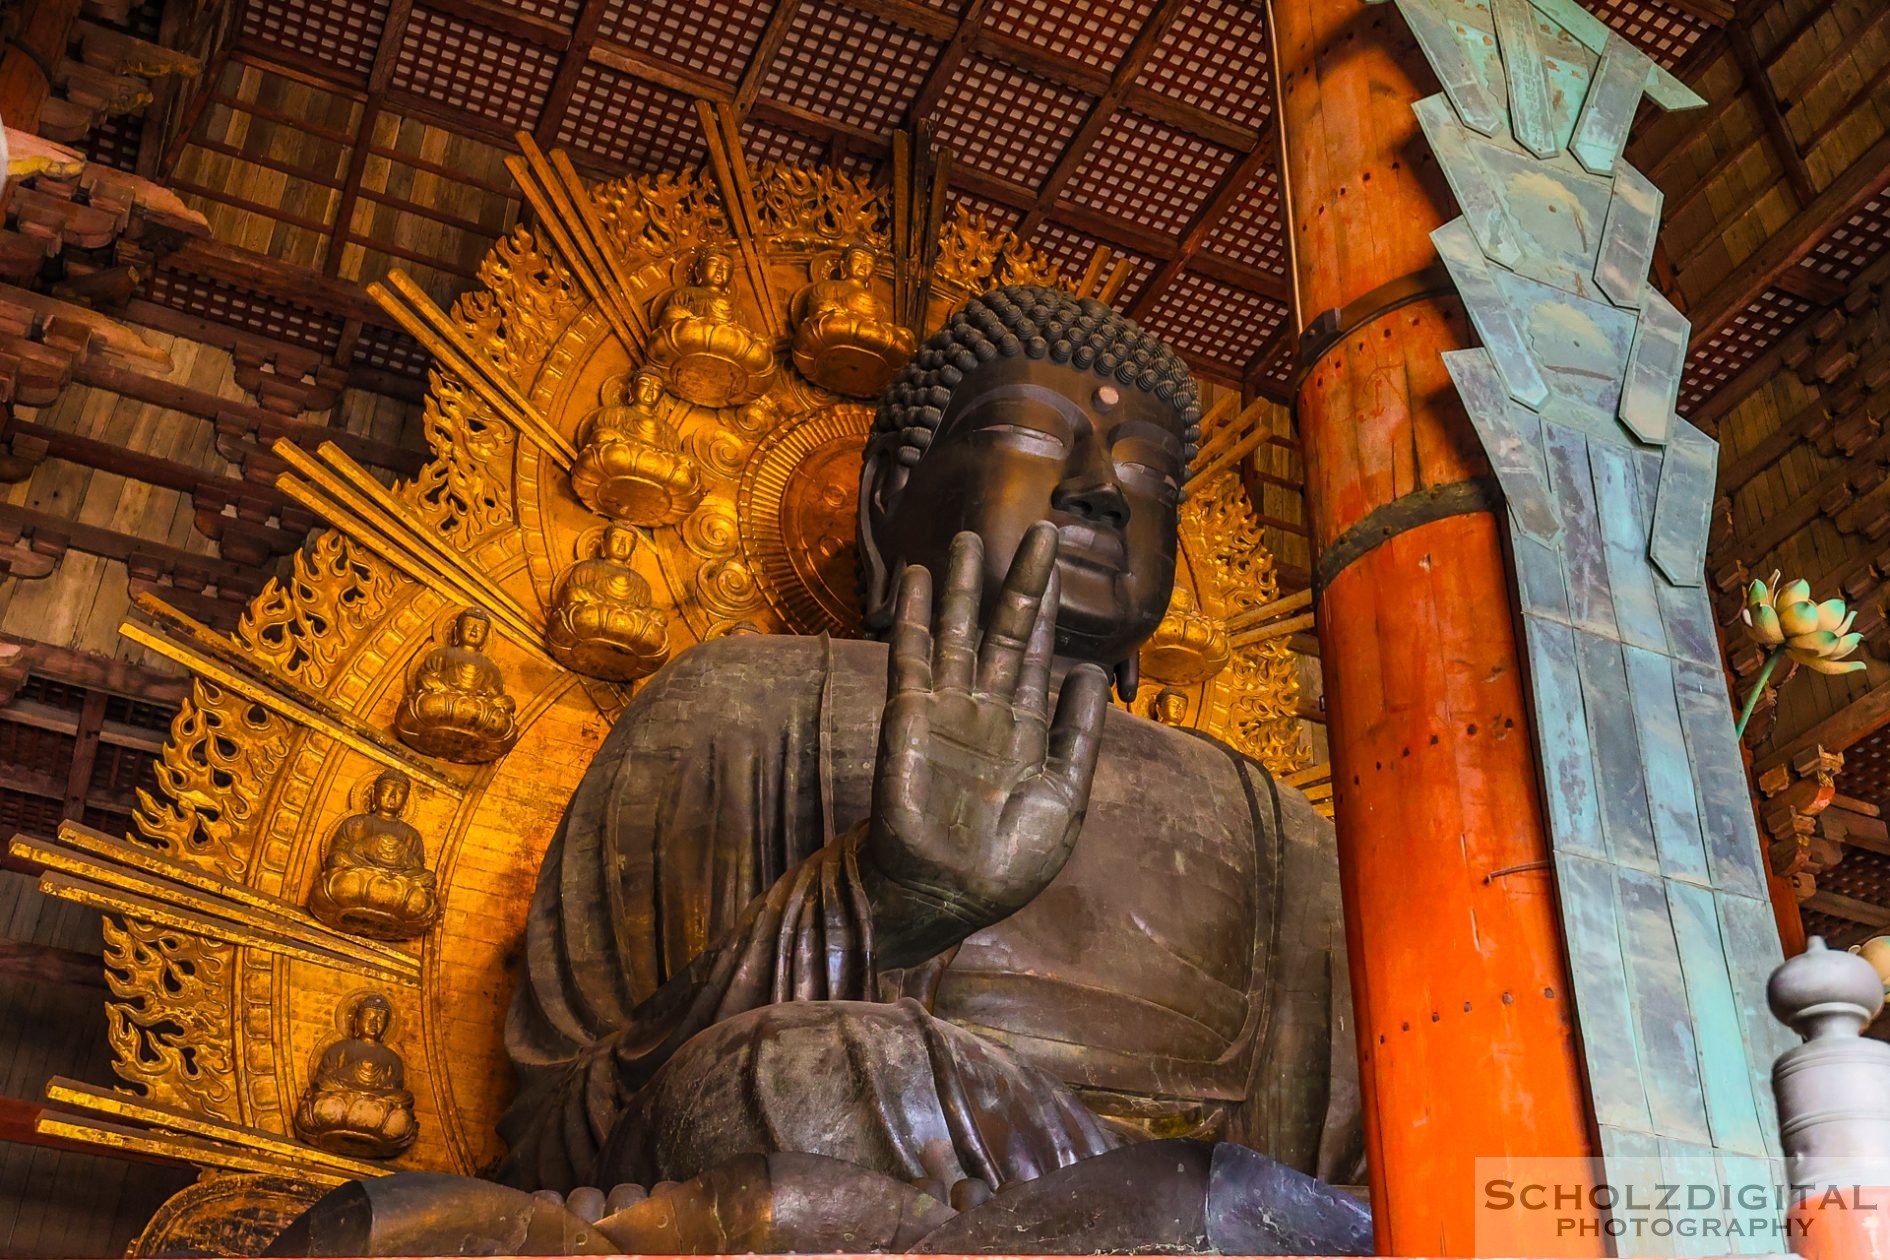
{"points": [[772, 37], [1713, 12], [576, 56], [1147, 40], [1862, 179], [279, 279], [1265, 149], [957, 47], [386, 56], [1759, 84], [923, 18]]}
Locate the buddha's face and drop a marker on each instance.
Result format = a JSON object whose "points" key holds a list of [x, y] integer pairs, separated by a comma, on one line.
{"points": [[619, 543], [1024, 440], [647, 388], [857, 264], [471, 630], [390, 795], [370, 1021], [713, 270]]}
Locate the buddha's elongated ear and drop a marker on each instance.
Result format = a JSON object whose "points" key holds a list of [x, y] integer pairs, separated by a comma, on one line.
{"points": [[882, 476]]}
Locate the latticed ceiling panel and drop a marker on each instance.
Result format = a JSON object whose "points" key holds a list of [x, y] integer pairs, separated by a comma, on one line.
{"points": [[1149, 173], [1092, 33], [225, 304], [831, 83], [1855, 243], [1006, 122], [850, 67], [765, 143], [563, 12], [713, 38], [391, 350], [626, 121], [1211, 321], [1215, 57], [1723, 355], [342, 34], [1072, 251], [469, 68], [1253, 232], [997, 217], [1661, 31]]}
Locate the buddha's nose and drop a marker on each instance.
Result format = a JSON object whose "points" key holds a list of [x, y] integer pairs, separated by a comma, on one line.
{"points": [[1092, 495]]}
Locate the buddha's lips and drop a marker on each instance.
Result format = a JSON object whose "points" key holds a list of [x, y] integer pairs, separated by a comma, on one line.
{"points": [[1090, 547]]}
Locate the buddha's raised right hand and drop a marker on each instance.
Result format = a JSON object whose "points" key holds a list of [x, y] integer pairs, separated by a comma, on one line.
{"points": [[978, 793]]}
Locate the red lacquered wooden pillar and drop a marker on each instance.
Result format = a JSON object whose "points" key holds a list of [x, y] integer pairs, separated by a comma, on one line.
{"points": [[29, 60], [1458, 967]]}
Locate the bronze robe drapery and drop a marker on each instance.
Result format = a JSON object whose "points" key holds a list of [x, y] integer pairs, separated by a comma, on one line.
{"points": [[1184, 973]]}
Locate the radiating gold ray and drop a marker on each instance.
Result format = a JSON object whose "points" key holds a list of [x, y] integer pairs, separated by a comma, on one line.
{"points": [[721, 133], [90, 843], [567, 215], [198, 648], [433, 328], [350, 498]]}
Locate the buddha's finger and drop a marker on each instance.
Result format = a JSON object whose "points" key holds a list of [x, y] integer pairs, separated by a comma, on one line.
{"points": [[1033, 681], [1014, 620], [909, 660], [955, 642], [1076, 731]]}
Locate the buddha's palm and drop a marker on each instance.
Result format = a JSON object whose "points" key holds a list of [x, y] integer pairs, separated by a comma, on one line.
{"points": [[977, 793]]}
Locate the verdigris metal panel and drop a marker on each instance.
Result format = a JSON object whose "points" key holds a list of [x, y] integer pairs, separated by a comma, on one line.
{"points": [[1660, 878], [1663, 1011]]}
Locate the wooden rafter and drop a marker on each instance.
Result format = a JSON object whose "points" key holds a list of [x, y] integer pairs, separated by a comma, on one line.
{"points": [[1759, 84], [1861, 180], [1146, 42]]}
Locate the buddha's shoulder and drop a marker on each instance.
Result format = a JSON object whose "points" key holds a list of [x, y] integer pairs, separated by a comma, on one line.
{"points": [[1150, 746]]}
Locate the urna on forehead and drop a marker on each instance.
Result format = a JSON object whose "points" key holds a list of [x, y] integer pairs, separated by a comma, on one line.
{"points": [[1035, 322]]}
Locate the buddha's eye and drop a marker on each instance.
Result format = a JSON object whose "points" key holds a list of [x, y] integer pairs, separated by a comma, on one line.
{"points": [[1028, 439]]}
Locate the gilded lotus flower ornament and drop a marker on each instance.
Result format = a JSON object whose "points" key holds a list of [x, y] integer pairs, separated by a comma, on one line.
{"points": [[1815, 635], [1790, 625]]}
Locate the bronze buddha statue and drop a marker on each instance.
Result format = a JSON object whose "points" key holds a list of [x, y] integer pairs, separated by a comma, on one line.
{"points": [[919, 943], [456, 707], [357, 1101], [601, 623], [374, 879]]}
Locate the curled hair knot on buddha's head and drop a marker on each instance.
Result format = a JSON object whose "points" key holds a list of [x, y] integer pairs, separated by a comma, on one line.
{"points": [[1040, 323]]}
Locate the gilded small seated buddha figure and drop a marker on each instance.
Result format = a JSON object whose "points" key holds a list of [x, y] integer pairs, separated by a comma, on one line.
{"points": [[456, 707], [1187, 647], [356, 1102], [601, 622], [843, 338], [919, 943], [1170, 707], [374, 879], [710, 357], [630, 464]]}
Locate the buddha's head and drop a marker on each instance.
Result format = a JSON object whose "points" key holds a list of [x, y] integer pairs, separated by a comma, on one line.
{"points": [[1032, 404], [371, 1016], [620, 543], [390, 793], [714, 268], [647, 388], [857, 263], [471, 627]]}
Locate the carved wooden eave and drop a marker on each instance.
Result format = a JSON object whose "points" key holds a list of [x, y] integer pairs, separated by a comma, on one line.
{"points": [[83, 230]]}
